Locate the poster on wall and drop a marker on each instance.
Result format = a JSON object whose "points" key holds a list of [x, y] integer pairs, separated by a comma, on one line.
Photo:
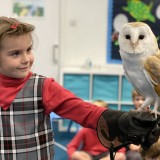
{"points": [[121, 12], [28, 8]]}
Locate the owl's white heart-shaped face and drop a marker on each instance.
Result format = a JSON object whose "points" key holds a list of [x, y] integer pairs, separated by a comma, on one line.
{"points": [[137, 38]]}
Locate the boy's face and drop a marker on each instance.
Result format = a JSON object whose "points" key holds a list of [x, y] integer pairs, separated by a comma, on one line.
{"points": [[16, 56], [137, 101]]}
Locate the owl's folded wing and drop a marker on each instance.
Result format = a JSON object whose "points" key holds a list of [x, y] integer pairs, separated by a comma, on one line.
{"points": [[152, 67]]}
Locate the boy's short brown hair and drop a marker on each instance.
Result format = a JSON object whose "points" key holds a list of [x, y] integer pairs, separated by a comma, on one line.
{"points": [[100, 103], [134, 94]]}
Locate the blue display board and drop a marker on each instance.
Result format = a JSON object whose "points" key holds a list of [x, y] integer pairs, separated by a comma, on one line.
{"points": [[121, 12]]}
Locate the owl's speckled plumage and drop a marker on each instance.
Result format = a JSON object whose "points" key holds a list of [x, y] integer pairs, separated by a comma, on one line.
{"points": [[141, 61]]}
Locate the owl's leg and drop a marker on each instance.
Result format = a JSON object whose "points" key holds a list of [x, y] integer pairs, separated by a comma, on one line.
{"points": [[148, 101], [156, 105]]}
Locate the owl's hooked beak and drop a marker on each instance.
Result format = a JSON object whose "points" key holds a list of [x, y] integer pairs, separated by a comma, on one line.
{"points": [[134, 44]]}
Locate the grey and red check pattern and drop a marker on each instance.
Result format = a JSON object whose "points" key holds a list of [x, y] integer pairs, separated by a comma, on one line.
{"points": [[25, 131]]}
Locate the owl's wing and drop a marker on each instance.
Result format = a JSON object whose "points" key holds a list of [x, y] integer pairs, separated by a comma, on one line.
{"points": [[152, 71], [149, 77], [125, 72], [153, 81]]}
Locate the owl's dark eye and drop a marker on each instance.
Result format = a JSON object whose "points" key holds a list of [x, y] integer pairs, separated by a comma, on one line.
{"points": [[141, 37], [128, 36]]}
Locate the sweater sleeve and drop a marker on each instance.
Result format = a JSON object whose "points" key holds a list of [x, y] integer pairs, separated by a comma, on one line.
{"points": [[64, 103], [75, 143]]}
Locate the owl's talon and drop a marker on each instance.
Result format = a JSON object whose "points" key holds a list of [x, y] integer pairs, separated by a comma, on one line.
{"points": [[141, 109], [155, 113]]}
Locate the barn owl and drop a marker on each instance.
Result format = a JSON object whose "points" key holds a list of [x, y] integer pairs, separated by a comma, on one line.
{"points": [[141, 61]]}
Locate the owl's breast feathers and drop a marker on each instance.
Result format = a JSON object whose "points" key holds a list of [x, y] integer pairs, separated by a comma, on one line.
{"points": [[134, 69], [152, 66], [132, 60]]}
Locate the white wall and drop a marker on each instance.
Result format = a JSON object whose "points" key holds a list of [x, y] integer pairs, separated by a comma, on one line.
{"points": [[47, 31], [84, 27], [84, 31]]}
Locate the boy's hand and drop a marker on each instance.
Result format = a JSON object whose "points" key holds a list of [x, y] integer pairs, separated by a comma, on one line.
{"points": [[137, 127]]}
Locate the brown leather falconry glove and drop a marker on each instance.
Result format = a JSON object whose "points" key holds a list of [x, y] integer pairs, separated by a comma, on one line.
{"points": [[137, 127]]}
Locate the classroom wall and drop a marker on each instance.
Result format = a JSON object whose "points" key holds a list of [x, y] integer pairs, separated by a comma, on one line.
{"points": [[78, 29], [84, 31]]}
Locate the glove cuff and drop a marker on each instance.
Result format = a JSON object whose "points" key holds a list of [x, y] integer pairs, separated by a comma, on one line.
{"points": [[107, 128]]}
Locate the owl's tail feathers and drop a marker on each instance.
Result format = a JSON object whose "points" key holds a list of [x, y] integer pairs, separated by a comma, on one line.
{"points": [[152, 66]]}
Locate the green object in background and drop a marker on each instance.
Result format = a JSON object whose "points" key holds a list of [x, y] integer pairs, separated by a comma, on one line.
{"points": [[139, 10]]}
